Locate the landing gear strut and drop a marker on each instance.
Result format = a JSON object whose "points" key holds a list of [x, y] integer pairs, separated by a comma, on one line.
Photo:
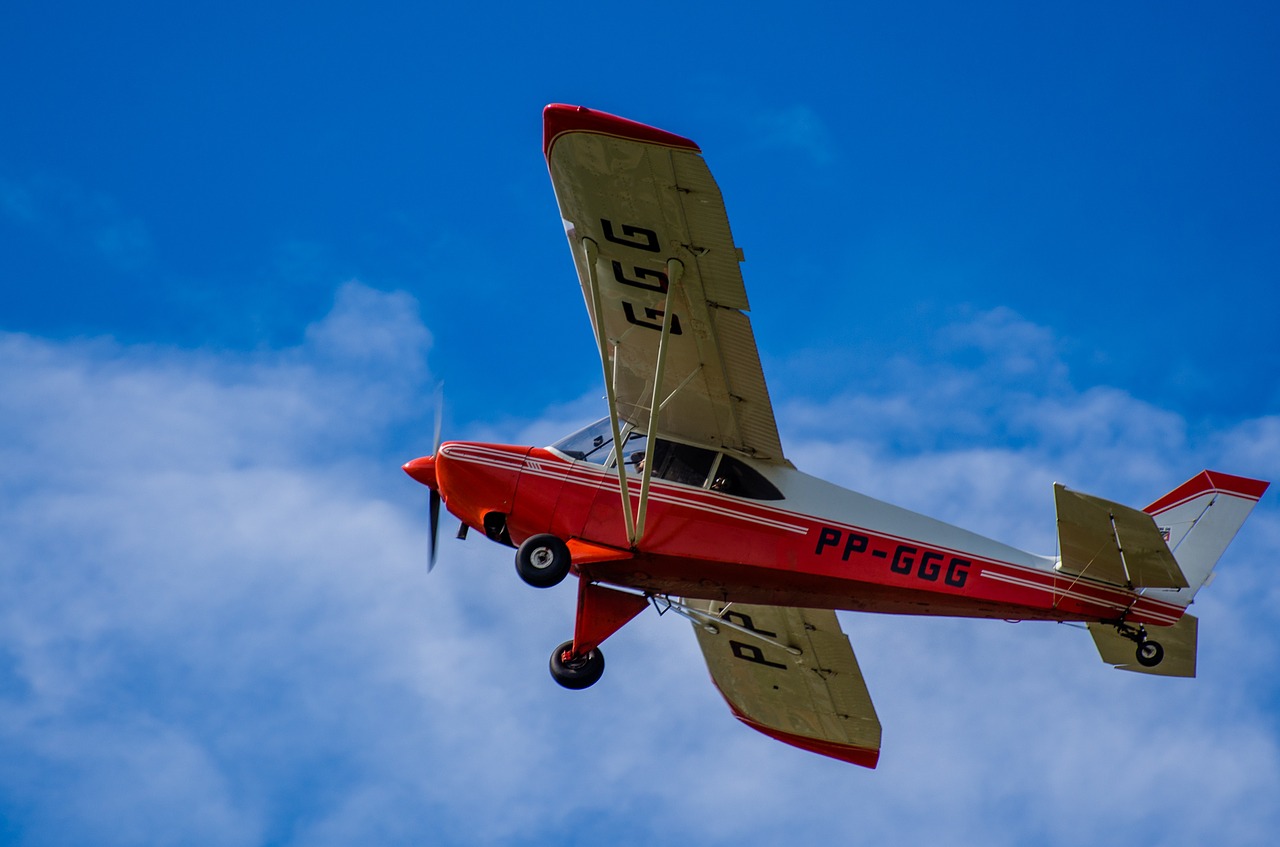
{"points": [[576, 672], [601, 612]]}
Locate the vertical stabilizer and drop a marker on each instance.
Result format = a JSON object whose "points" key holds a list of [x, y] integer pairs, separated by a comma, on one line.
{"points": [[1198, 520]]}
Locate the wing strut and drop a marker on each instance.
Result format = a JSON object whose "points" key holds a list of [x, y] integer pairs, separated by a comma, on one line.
{"points": [[688, 379], [634, 523], [1124, 566], [712, 622], [591, 250], [674, 271]]}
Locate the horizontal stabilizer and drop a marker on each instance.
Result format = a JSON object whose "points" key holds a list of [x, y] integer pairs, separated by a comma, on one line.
{"points": [[817, 700], [1177, 643], [1112, 543]]}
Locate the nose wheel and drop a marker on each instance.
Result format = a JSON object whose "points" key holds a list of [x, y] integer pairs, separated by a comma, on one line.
{"points": [[543, 560], [573, 671]]}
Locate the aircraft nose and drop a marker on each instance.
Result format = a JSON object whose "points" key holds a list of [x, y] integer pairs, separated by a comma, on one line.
{"points": [[423, 470]]}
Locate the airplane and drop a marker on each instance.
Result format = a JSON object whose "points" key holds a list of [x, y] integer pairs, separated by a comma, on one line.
{"points": [[698, 511]]}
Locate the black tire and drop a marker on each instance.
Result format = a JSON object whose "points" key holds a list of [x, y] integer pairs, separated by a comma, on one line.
{"points": [[1150, 654], [577, 672], [542, 561]]}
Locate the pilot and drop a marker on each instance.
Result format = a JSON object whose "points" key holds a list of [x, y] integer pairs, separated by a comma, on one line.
{"points": [[637, 459]]}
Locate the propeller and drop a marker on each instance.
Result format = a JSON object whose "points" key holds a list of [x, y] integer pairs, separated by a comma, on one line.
{"points": [[434, 505], [435, 528], [424, 471]]}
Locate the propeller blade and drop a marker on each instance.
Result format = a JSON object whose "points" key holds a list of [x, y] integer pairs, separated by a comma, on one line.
{"points": [[439, 418], [435, 494], [435, 528]]}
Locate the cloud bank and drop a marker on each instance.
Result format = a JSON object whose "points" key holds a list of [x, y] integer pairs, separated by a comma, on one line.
{"points": [[216, 625]]}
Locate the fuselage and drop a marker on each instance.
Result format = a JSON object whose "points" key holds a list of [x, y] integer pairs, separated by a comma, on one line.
{"points": [[818, 546]]}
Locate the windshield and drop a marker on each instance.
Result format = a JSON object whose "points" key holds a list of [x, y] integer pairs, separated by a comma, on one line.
{"points": [[589, 444]]}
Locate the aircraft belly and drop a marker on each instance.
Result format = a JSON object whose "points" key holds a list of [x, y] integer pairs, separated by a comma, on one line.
{"points": [[735, 582]]}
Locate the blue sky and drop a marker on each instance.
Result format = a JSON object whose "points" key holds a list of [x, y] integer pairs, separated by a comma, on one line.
{"points": [[239, 247]]}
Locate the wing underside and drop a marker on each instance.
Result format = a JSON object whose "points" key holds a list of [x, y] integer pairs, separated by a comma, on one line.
{"points": [[811, 696], [649, 235]]}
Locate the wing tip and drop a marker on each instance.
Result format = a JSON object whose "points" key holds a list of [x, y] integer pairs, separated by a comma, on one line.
{"points": [[866, 757], [561, 118]]}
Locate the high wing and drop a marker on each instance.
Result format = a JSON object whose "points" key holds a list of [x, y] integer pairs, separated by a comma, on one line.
{"points": [[649, 235], [790, 674]]}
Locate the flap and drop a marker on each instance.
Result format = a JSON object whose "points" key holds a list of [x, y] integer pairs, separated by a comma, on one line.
{"points": [[816, 700], [1102, 540]]}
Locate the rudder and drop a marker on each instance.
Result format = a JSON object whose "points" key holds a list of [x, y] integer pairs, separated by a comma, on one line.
{"points": [[1198, 520]]}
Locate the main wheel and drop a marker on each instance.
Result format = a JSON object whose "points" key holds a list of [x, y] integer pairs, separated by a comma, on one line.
{"points": [[542, 561], [1150, 653], [576, 672]]}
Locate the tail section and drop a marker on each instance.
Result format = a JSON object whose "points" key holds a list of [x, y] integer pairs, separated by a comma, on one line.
{"points": [[1174, 654], [1198, 519]]}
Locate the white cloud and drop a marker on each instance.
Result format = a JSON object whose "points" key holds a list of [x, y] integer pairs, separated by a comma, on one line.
{"points": [[1252, 444], [216, 627], [372, 328], [1028, 713]]}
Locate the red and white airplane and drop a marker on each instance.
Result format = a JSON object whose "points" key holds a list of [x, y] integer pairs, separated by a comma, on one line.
{"points": [[700, 513]]}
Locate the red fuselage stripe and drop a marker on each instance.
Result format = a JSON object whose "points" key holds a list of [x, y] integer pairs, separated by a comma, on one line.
{"points": [[1093, 600]]}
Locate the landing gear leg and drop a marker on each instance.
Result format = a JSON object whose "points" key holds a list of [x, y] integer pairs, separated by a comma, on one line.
{"points": [[601, 612]]}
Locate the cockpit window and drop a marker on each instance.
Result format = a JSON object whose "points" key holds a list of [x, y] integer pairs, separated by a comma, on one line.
{"points": [[672, 461], [683, 463], [591, 444], [742, 480]]}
